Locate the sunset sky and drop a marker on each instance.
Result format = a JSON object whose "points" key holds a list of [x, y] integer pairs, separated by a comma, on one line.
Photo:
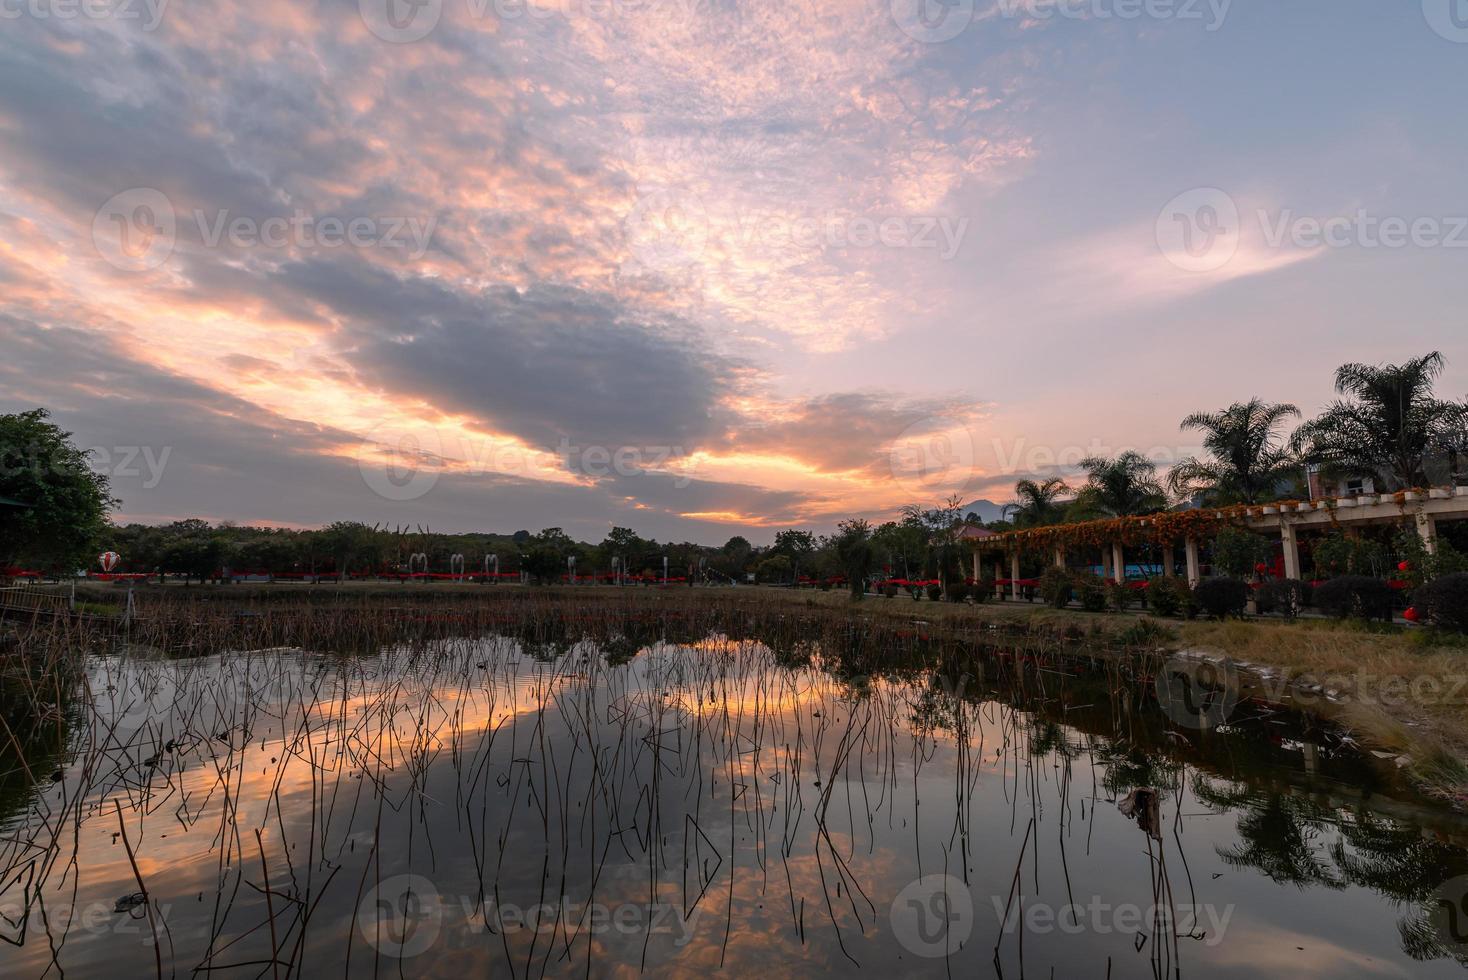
{"points": [[701, 267]]}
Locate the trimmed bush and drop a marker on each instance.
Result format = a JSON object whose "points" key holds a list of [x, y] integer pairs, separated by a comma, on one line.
{"points": [[980, 592], [1165, 596], [935, 592], [957, 592], [1057, 585], [1286, 596], [1222, 597], [1443, 602], [1092, 593], [889, 590], [1359, 596]]}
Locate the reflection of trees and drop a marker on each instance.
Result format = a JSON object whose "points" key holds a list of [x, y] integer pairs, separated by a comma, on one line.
{"points": [[1281, 836], [1127, 765], [1282, 842]]}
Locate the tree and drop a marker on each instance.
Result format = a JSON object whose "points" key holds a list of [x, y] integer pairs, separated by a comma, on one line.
{"points": [[941, 526], [856, 553], [345, 542], [1385, 425], [55, 512], [1246, 460], [1122, 487], [192, 547], [1037, 503]]}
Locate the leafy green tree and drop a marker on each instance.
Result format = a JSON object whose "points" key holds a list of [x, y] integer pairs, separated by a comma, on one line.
{"points": [[1386, 424], [1124, 486], [1037, 504], [1247, 459], [55, 509], [192, 547], [347, 542], [857, 554]]}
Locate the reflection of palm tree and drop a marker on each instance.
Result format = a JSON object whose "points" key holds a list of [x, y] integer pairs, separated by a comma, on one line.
{"points": [[1278, 835], [1393, 859], [1126, 767]]}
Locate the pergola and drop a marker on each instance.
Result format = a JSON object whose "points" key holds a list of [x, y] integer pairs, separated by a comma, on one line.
{"points": [[1421, 508]]}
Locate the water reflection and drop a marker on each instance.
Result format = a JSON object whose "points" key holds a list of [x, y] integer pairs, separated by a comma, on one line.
{"points": [[542, 803]]}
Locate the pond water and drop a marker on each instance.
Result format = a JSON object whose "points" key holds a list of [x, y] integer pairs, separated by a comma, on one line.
{"points": [[487, 808]]}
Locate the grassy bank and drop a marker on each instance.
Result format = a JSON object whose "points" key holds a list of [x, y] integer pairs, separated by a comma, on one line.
{"points": [[1402, 691]]}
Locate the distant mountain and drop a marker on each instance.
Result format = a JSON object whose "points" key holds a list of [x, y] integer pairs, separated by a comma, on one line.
{"points": [[986, 509]]}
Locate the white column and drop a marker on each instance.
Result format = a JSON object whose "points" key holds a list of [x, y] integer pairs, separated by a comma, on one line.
{"points": [[1106, 557], [1014, 574], [1190, 552], [1118, 561], [1168, 560], [1427, 530], [976, 567], [998, 574], [1291, 544], [1059, 557]]}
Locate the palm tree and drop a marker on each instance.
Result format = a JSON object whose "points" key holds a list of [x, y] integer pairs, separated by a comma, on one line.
{"points": [[1386, 425], [1247, 459], [1121, 487], [1037, 503]]}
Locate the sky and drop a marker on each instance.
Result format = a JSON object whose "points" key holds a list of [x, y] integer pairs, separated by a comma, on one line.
{"points": [[700, 267]]}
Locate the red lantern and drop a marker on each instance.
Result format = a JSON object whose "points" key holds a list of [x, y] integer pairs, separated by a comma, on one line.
{"points": [[108, 560], [1411, 614], [1261, 568], [1404, 566]]}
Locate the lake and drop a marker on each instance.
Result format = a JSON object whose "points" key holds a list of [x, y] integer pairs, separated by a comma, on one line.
{"points": [[625, 805]]}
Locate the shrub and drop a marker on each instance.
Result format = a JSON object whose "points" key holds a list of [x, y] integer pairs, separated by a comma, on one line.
{"points": [[1057, 585], [1164, 596], [1236, 551], [889, 590], [1286, 596], [1443, 602], [1190, 607], [1221, 597], [935, 591], [1118, 596], [1144, 632], [957, 592], [1355, 595], [1092, 593], [978, 593]]}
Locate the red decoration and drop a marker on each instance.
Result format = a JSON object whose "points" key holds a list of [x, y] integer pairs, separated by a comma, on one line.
{"points": [[1411, 614], [1261, 568], [1404, 566]]}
